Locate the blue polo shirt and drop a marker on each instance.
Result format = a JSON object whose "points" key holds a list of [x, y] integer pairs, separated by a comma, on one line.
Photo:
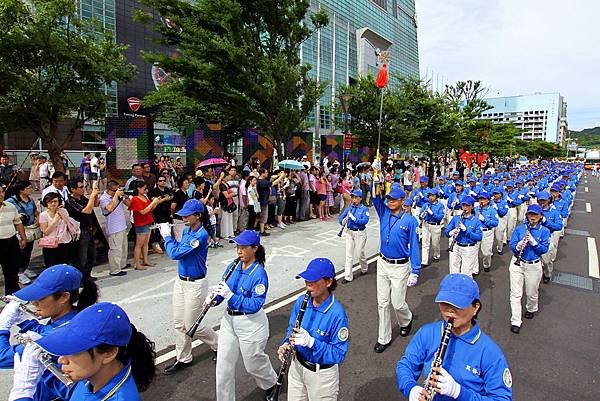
{"points": [[190, 253], [249, 288]]}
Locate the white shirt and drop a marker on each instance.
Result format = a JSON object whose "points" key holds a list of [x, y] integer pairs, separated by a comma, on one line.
{"points": [[94, 167], [44, 169], [64, 193], [213, 218], [407, 177], [9, 217]]}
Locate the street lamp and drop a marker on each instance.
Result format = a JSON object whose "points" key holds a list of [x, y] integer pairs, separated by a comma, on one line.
{"points": [[346, 100]]}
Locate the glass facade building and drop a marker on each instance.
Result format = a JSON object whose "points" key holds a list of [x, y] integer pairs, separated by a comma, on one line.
{"points": [[346, 48]]}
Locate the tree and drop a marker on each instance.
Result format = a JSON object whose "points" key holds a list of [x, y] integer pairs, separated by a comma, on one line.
{"points": [[240, 58], [53, 67]]}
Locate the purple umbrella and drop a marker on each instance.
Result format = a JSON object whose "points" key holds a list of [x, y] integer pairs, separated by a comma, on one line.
{"points": [[215, 161]]}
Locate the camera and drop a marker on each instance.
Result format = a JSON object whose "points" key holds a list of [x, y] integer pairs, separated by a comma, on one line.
{"points": [[129, 192]]}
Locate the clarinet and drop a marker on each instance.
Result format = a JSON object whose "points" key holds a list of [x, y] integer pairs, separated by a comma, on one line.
{"points": [[520, 255], [451, 247], [46, 360], [289, 352], [22, 306], [439, 358], [190, 333], [423, 215]]}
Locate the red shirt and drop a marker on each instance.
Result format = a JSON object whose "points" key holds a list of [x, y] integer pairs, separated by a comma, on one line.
{"points": [[136, 205]]}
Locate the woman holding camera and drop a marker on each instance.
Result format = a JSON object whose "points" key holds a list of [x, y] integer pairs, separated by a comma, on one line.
{"points": [[56, 239], [10, 244], [142, 208]]}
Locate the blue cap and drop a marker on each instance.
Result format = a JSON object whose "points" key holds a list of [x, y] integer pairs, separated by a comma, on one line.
{"points": [[248, 238], [456, 173], [468, 200], [459, 182], [423, 178], [190, 207], [556, 187], [510, 184], [317, 269], [396, 192], [535, 208], [486, 177], [497, 190], [357, 192], [543, 196], [433, 191], [484, 194], [472, 180], [458, 290], [408, 202], [101, 323], [519, 181], [58, 278]]}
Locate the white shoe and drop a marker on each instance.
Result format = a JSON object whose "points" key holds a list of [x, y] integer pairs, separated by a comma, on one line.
{"points": [[23, 279], [281, 225]]}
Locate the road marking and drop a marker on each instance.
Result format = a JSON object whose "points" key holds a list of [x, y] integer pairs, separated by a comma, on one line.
{"points": [[593, 258], [587, 189], [286, 301], [136, 297], [577, 232], [588, 207]]}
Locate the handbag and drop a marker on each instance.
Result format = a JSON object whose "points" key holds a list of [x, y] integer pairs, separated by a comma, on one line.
{"points": [[33, 232], [48, 242]]}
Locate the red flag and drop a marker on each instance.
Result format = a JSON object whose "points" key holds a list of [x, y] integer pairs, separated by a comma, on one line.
{"points": [[382, 78]]}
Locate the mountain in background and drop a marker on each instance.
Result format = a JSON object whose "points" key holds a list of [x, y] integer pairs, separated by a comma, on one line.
{"points": [[587, 138]]}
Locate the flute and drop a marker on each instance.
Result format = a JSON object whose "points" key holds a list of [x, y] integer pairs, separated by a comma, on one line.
{"points": [[46, 360], [451, 247]]}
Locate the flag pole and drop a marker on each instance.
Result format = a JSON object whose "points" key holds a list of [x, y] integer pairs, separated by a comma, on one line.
{"points": [[380, 124]]}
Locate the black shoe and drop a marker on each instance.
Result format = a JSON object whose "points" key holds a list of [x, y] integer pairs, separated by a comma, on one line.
{"points": [[364, 273], [529, 315], [546, 279], [268, 393], [231, 241], [214, 357], [500, 252], [475, 274], [515, 329], [436, 259], [404, 331], [379, 348], [264, 234], [423, 265], [119, 274], [127, 266], [176, 366], [486, 269], [344, 281]]}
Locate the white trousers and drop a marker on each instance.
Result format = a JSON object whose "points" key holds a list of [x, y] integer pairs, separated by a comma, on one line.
{"points": [[463, 259], [306, 385], [486, 245], [391, 295], [521, 209], [431, 239], [226, 224], [549, 257], [511, 222], [355, 244], [500, 233], [530, 276], [246, 335], [117, 252], [188, 297]]}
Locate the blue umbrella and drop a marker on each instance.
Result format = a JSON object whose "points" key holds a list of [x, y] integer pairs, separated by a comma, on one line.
{"points": [[291, 165]]}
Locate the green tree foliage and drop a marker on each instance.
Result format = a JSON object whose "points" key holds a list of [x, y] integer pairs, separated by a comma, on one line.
{"points": [[53, 66], [539, 148], [237, 61], [587, 138]]}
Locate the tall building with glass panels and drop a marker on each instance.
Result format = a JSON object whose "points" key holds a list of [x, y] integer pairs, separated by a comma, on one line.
{"points": [[346, 48]]}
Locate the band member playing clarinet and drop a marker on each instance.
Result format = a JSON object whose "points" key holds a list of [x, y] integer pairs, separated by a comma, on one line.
{"points": [[321, 341], [529, 242], [191, 285], [355, 219], [473, 367], [464, 231]]}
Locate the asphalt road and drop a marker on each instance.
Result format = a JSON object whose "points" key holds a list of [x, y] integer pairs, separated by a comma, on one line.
{"points": [[555, 357]]}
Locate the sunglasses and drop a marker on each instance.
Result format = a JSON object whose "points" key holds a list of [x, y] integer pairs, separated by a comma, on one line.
{"points": [[162, 180]]}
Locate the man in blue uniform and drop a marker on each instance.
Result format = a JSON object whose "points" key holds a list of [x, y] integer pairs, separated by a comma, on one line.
{"points": [[488, 216], [419, 195], [501, 207], [399, 245], [321, 341], [560, 204], [455, 199], [513, 201], [355, 218], [465, 233], [474, 369], [529, 242], [432, 214], [191, 287], [553, 222]]}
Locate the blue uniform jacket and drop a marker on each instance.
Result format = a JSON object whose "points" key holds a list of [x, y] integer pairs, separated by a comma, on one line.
{"points": [[328, 325], [474, 191], [249, 288], [474, 360], [490, 214], [562, 207], [361, 212], [439, 211], [418, 196], [489, 187], [471, 235], [523, 194], [512, 198], [121, 387], [501, 207], [190, 253], [398, 234], [454, 201], [531, 253], [552, 220]]}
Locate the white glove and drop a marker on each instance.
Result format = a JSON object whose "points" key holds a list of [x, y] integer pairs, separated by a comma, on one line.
{"points": [[481, 217], [495, 206], [544, 220], [165, 230], [509, 199], [345, 221], [351, 216], [473, 193], [28, 370], [521, 245], [521, 196], [532, 241], [303, 339], [429, 211], [454, 232], [212, 291], [462, 227], [224, 291], [421, 194], [412, 280], [415, 393], [11, 315], [447, 385]]}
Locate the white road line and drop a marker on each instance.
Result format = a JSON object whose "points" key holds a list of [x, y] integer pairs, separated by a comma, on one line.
{"points": [[588, 207], [587, 189], [593, 258], [134, 297], [286, 301]]}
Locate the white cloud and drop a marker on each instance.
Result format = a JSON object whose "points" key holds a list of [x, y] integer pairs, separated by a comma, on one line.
{"points": [[516, 47]]}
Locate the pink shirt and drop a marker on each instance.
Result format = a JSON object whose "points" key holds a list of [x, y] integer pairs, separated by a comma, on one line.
{"points": [[59, 230], [321, 188]]}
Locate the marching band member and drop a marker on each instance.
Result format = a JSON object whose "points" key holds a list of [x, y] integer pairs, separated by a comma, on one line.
{"points": [[433, 213], [100, 350], [419, 195], [489, 221], [355, 218], [465, 233], [244, 326], [321, 341], [476, 369], [513, 201], [501, 207], [455, 199], [561, 205], [191, 287], [553, 222], [529, 242], [399, 245]]}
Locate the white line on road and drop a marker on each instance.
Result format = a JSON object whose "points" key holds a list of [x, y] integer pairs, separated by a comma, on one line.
{"points": [[587, 189], [286, 301], [588, 207], [593, 258]]}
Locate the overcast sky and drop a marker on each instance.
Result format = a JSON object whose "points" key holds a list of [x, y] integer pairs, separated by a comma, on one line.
{"points": [[516, 47]]}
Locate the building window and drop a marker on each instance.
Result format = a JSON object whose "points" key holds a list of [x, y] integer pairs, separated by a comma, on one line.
{"points": [[380, 3]]}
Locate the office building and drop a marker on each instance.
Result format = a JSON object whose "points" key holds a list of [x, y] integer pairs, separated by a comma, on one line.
{"points": [[541, 116]]}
